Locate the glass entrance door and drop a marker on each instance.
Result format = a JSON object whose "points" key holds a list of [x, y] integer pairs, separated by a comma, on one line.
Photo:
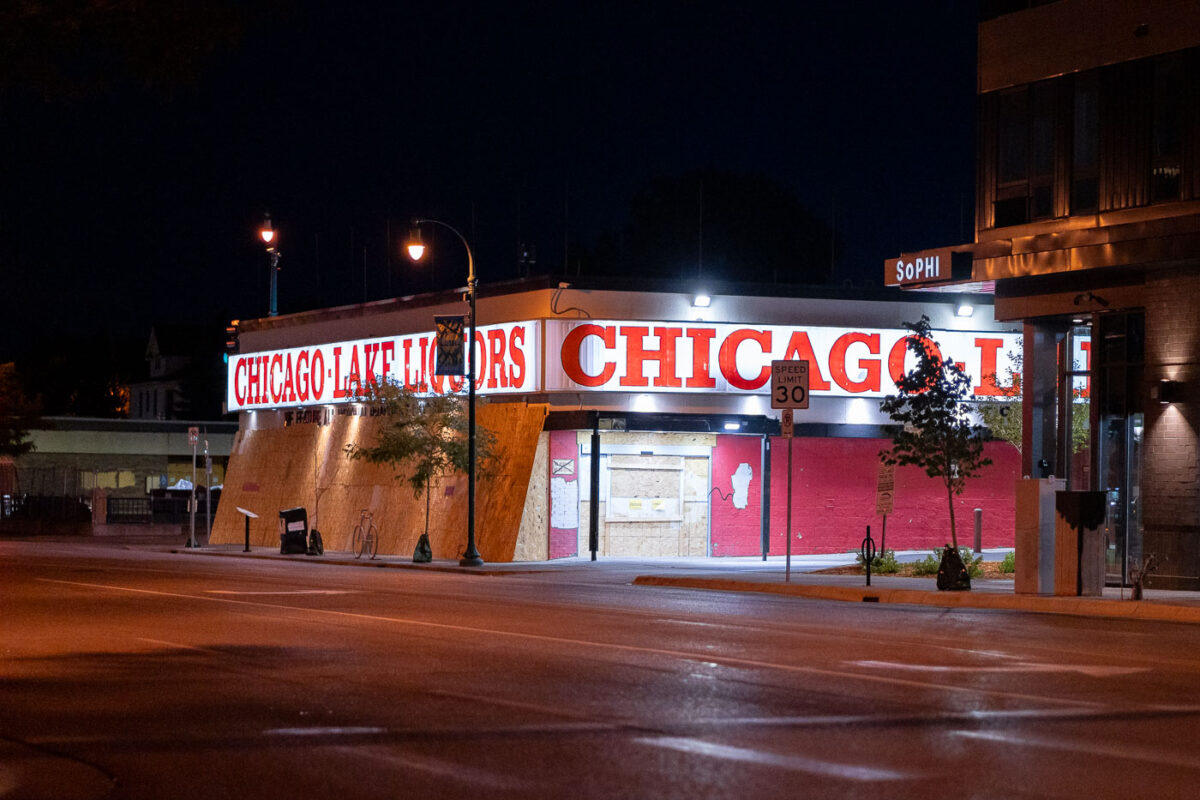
{"points": [[1120, 475], [1119, 354]]}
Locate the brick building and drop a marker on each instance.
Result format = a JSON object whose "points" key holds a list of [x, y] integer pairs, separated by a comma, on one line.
{"points": [[1088, 230]]}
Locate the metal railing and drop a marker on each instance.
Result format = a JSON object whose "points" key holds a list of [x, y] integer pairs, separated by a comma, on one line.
{"points": [[46, 508], [155, 509]]}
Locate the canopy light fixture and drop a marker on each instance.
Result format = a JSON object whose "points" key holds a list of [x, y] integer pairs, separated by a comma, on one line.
{"points": [[964, 309], [701, 301]]}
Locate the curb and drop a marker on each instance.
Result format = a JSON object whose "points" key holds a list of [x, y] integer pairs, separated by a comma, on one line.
{"points": [[352, 562], [1074, 606]]}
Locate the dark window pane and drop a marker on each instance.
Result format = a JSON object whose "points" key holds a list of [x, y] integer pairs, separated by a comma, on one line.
{"points": [[1085, 195], [1168, 99], [1043, 205], [1013, 138], [1013, 211], [1086, 140], [1085, 145]]}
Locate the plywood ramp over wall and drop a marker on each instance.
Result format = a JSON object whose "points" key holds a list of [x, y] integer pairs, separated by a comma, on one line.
{"points": [[306, 465]]}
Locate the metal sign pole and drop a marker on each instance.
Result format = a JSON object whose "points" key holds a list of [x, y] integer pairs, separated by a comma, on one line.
{"points": [[192, 500], [789, 390], [207, 493], [787, 573]]}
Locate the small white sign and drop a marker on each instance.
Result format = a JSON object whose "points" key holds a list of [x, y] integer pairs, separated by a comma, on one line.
{"points": [[787, 425]]}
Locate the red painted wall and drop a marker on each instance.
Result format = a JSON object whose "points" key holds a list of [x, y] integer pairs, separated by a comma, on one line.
{"points": [[564, 542], [833, 499], [735, 531]]}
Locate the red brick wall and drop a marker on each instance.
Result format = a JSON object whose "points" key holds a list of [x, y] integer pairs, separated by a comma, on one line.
{"points": [[833, 499], [1171, 456]]}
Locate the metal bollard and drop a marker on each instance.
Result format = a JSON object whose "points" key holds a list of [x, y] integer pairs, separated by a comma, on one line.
{"points": [[868, 553], [978, 531]]}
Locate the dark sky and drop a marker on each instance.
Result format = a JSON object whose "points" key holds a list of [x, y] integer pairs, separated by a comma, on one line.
{"points": [[125, 205]]}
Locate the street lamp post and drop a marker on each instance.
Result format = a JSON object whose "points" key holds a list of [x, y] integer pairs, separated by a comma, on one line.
{"points": [[267, 234], [416, 249]]}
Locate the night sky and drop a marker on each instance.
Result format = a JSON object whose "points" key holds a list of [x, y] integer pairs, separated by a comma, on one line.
{"points": [[138, 155]]}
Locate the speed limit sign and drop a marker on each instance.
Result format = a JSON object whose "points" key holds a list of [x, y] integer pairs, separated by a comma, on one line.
{"points": [[789, 384]]}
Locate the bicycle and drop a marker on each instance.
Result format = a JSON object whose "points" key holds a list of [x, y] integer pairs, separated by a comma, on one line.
{"points": [[366, 535]]}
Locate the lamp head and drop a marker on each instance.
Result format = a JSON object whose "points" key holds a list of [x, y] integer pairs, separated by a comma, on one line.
{"points": [[266, 232], [414, 245]]}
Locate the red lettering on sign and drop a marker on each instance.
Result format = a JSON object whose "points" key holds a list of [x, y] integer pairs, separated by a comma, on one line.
{"points": [[370, 354], [496, 378], [387, 356], [289, 380], [252, 377], [239, 389], [479, 351], [435, 381], [837, 362], [516, 372], [354, 380], [276, 385], [339, 388], [988, 385], [799, 348], [701, 377], [636, 355], [896, 356], [573, 343], [302, 382], [317, 375], [422, 384], [727, 358]]}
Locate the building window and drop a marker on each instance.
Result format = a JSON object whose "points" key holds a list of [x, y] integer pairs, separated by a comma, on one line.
{"points": [[1085, 145], [1165, 168], [1025, 155]]}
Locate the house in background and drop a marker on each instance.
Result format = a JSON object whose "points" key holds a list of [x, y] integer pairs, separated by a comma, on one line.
{"points": [[184, 376]]}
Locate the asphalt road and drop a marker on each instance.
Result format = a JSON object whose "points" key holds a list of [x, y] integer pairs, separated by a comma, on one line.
{"points": [[132, 673]]}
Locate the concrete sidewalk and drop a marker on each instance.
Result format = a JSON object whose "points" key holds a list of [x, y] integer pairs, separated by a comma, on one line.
{"points": [[752, 574], [984, 594]]}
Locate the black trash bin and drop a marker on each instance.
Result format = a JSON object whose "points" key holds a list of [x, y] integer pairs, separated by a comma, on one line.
{"points": [[293, 530]]}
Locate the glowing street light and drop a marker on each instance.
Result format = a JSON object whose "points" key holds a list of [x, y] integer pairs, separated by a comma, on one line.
{"points": [[267, 234], [416, 249]]}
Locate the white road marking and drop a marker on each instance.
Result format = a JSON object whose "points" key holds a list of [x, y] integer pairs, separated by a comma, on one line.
{"points": [[327, 731], [812, 766], [296, 591], [1124, 750], [180, 646], [939, 686], [1091, 670]]}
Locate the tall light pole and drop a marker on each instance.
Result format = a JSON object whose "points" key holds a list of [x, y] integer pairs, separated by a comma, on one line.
{"points": [[416, 249], [267, 234]]}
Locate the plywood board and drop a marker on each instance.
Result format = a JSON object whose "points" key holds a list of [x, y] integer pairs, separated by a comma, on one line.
{"points": [[533, 536], [305, 465]]}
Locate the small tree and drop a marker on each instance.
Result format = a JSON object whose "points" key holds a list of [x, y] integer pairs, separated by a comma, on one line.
{"points": [[932, 408], [17, 414], [429, 433]]}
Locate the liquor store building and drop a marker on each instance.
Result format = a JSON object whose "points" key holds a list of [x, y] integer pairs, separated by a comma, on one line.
{"points": [[676, 389]]}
